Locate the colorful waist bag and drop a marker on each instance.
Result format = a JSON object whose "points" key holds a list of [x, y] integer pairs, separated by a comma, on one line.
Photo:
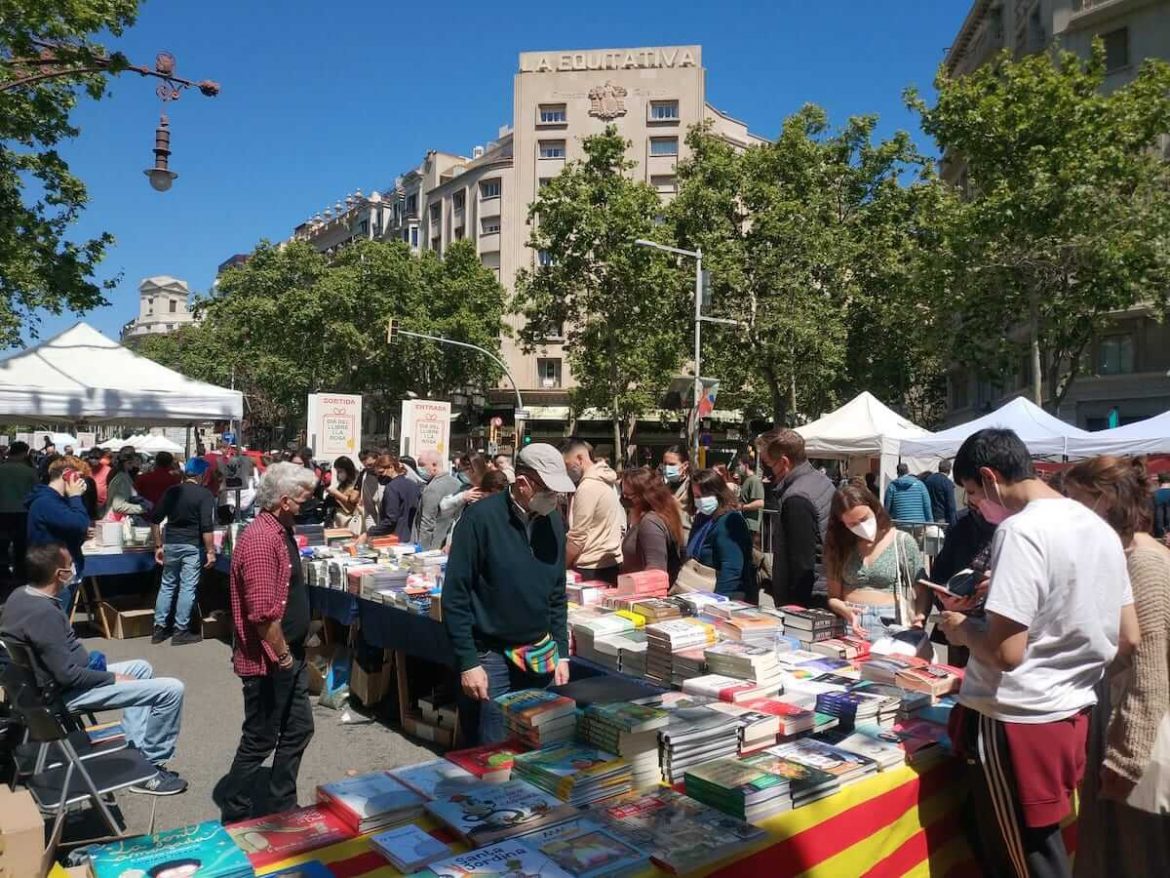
{"points": [[536, 658]]}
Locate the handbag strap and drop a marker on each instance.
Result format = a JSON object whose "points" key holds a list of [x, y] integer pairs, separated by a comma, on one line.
{"points": [[899, 593]]}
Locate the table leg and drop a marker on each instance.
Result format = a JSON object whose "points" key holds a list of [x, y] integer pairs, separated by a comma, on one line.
{"points": [[403, 685]]}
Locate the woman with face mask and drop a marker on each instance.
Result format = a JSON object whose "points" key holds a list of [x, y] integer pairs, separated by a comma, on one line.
{"points": [[676, 472], [720, 538], [869, 563], [654, 538]]}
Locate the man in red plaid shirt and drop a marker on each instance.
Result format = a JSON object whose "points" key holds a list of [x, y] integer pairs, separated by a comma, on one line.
{"points": [[270, 619]]}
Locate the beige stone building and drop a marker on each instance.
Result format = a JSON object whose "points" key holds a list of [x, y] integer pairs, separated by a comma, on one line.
{"points": [[653, 95], [1127, 368], [162, 307]]}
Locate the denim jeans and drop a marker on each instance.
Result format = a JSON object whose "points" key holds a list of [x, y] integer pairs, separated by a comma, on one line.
{"points": [[152, 708], [181, 568], [483, 721], [870, 617]]}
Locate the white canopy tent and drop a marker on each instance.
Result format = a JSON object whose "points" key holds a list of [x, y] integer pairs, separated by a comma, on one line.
{"points": [[862, 428], [80, 375], [1044, 434], [1151, 436]]}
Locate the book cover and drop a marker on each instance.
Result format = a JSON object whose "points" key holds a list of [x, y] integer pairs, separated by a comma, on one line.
{"points": [[488, 761], [311, 869], [818, 754], [569, 760], [368, 796], [510, 859], [586, 849], [535, 706], [205, 847], [628, 716], [277, 837], [434, 778], [802, 779], [485, 813], [735, 778], [409, 847]]}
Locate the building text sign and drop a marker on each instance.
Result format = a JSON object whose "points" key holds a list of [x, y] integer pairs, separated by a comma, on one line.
{"points": [[663, 57], [335, 424], [426, 426]]}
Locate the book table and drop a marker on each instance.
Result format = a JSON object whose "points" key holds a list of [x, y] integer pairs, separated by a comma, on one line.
{"points": [[904, 821]]}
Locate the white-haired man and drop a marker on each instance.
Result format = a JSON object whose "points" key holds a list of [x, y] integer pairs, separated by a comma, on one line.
{"points": [[432, 525], [270, 619]]}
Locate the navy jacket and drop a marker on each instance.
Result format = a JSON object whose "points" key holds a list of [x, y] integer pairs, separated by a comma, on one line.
{"points": [[942, 497], [725, 543], [399, 507], [53, 518]]}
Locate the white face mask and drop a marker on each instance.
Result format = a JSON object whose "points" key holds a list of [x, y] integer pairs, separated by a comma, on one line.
{"points": [[866, 529], [707, 505], [542, 502]]}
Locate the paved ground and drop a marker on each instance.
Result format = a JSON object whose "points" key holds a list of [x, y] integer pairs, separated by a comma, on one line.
{"points": [[212, 714]]}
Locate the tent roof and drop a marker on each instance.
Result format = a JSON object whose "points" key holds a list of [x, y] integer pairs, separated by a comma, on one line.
{"points": [[1150, 436], [80, 375], [1044, 434], [863, 426]]}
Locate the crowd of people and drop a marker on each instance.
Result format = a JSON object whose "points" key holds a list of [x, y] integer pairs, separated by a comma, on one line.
{"points": [[1063, 633]]}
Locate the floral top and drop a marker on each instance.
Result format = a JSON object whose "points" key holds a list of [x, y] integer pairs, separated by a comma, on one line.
{"points": [[881, 574]]}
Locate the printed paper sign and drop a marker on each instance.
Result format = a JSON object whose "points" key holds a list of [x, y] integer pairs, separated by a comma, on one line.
{"points": [[335, 424]]}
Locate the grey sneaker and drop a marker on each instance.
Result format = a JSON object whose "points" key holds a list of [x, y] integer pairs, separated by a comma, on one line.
{"points": [[165, 783], [184, 637], [159, 634]]}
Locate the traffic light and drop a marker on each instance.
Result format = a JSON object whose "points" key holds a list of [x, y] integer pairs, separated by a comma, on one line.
{"points": [[705, 286], [527, 439], [392, 330]]}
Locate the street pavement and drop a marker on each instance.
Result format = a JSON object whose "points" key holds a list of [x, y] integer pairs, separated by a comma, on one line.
{"points": [[212, 715]]}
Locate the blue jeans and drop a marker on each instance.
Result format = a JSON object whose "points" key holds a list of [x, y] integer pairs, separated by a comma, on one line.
{"points": [[181, 568], [483, 721], [152, 708], [870, 617]]}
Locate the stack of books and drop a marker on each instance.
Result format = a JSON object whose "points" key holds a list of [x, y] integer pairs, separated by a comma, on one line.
{"points": [[748, 661], [606, 651], [868, 741], [537, 717], [694, 733], [631, 652], [845, 766], [793, 659], [409, 848], [791, 719], [738, 789], [268, 840], [657, 609], [696, 602], [629, 730], [934, 680], [588, 629], [370, 802], [509, 858], [885, 668], [666, 638], [484, 813], [491, 763], [587, 594], [208, 845], [680, 834], [805, 784], [847, 646], [437, 777], [584, 848], [810, 625], [851, 707], [644, 584], [757, 730], [575, 773], [918, 739], [731, 688], [750, 626], [893, 700], [687, 664]]}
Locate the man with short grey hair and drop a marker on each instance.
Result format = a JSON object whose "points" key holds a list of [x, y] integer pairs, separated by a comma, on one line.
{"points": [[270, 619], [432, 525]]}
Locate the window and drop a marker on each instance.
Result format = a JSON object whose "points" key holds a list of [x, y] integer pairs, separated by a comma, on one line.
{"points": [[436, 212], [548, 371], [489, 189], [459, 233], [664, 183], [664, 111], [544, 181], [174, 306], [414, 236], [543, 257], [490, 225], [149, 306], [1116, 49], [663, 146], [1115, 355], [437, 244], [552, 149], [552, 114], [459, 200], [412, 204]]}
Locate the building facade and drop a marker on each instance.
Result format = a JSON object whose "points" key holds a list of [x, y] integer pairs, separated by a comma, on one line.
{"points": [[1125, 374], [162, 307], [652, 95]]}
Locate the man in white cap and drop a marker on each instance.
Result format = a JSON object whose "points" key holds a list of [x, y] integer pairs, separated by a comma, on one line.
{"points": [[504, 592]]}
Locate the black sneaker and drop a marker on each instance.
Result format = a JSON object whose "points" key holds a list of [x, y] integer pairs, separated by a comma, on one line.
{"points": [[182, 638], [159, 634], [165, 783]]}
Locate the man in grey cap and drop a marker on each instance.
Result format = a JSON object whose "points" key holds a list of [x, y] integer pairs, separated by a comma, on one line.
{"points": [[504, 592]]}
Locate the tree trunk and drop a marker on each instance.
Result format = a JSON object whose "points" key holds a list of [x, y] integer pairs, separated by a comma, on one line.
{"points": [[618, 451], [1034, 342], [779, 397]]}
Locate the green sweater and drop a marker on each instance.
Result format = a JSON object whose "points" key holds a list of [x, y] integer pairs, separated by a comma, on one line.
{"points": [[505, 580]]}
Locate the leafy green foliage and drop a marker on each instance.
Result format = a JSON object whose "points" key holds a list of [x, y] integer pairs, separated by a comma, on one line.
{"points": [[291, 321], [622, 307], [40, 267], [1065, 217]]}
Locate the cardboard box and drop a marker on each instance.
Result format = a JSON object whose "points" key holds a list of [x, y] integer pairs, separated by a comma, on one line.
{"points": [[217, 625], [414, 724], [22, 834], [371, 687], [317, 657], [123, 621]]}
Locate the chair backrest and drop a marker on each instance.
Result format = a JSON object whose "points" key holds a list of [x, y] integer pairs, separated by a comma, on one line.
{"points": [[20, 681]]}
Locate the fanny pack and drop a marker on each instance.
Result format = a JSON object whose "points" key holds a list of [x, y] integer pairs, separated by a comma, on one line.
{"points": [[536, 658]]}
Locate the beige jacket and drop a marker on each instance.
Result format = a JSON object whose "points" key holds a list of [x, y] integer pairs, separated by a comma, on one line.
{"points": [[595, 519]]}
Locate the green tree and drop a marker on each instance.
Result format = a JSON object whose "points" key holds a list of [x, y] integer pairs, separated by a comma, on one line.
{"points": [[292, 321], [811, 241], [622, 308], [41, 268], [1065, 214]]}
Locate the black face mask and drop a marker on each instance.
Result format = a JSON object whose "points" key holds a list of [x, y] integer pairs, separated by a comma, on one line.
{"points": [[384, 480], [627, 502]]}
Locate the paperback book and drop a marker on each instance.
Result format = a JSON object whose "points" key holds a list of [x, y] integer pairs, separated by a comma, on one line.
{"points": [[434, 778], [409, 848], [584, 848], [268, 840], [370, 801], [483, 814], [491, 763], [510, 859], [206, 848], [575, 773]]}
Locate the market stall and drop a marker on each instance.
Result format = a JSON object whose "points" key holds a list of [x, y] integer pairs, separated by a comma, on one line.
{"points": [[1151, 436], [1045, 435]]}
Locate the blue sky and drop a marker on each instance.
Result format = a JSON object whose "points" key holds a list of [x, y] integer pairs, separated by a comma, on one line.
{"points": [[320, 99]]}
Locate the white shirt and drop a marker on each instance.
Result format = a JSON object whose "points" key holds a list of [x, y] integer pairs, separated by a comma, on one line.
{"points": [[1058, 569]]}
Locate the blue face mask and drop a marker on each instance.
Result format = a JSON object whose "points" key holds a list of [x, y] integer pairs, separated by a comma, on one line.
{"points": [[670, 472], [707, 505], [464, 479]]}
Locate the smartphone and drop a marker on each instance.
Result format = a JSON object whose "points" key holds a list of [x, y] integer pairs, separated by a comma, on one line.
{"points": [[71, 476]]}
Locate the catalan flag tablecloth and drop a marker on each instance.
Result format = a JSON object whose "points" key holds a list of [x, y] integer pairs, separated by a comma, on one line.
{"points": [[902, 822]]}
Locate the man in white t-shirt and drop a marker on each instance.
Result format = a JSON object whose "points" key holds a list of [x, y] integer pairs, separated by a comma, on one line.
{"points": [[1058, 603]]}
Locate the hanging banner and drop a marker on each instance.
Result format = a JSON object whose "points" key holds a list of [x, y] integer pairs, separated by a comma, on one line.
{"points": [[426, 426], [707, 400], [334, 424]]}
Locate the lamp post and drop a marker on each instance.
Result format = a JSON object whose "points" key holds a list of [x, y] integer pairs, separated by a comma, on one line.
{"points": [[55, 62]]}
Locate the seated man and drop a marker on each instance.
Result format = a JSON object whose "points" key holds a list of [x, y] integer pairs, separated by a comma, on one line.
{"points": [[152, 708]]}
